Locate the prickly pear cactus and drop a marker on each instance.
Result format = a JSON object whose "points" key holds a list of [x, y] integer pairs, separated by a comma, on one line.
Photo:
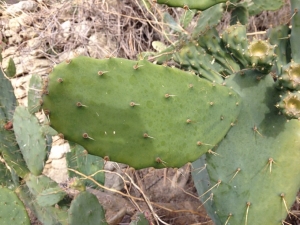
{"points": [[6, 177], [46, 191], [138, 113], [86, 209], [11, 68], [191, 4], [258, 166], [48, 215], [140, 220], [279, 37], [12, 210], [34, 93], [85, 163], [30, 138], [256, 6], [21, 134], [9, 149], [7, 97]]}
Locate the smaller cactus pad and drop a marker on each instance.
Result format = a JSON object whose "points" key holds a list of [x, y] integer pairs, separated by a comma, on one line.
{"points": [[86, 209], [12, 210]]}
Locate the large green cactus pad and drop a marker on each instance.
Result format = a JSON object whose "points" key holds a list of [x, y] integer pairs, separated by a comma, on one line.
{"points": [[12, 210], [258, 166], [138, 113]]}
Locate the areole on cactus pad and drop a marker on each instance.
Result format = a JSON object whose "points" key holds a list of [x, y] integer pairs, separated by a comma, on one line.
{"points": [[138, 113]]}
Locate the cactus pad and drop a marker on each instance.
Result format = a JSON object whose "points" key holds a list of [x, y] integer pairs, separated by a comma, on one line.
{"points": [[12, 210], [235, 40], [191, 4], [8, 100], [260, 166], [86, 209], [140, 220], [46, 191], [294, 40], [8, 147], [11, 68], [138, 113], [6, 177], [30, 139], [35, 93], [85, 163], [279, 36], [46, 215]]}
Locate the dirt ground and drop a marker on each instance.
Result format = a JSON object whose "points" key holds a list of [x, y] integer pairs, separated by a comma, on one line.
{"points": [[61, 29]]}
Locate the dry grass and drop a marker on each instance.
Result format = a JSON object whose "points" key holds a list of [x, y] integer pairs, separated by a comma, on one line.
{"points": [[124, 28]]}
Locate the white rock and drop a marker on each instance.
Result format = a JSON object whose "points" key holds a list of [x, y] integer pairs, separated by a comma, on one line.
{"points": [[57, 170], [15, 39], [19, 93], [33, 43], [9, 33], [66, 29], [10, 51], [21, 6], [58, 151], [25, 19], [83, 29], [14, 25], [31, 64], [20, 82], [72, 54], [100, 46], [113, 180], [29, 33], [20, 85]]}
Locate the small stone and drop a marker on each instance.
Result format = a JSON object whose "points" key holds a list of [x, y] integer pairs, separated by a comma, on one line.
{"points": [[23, 6]]}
